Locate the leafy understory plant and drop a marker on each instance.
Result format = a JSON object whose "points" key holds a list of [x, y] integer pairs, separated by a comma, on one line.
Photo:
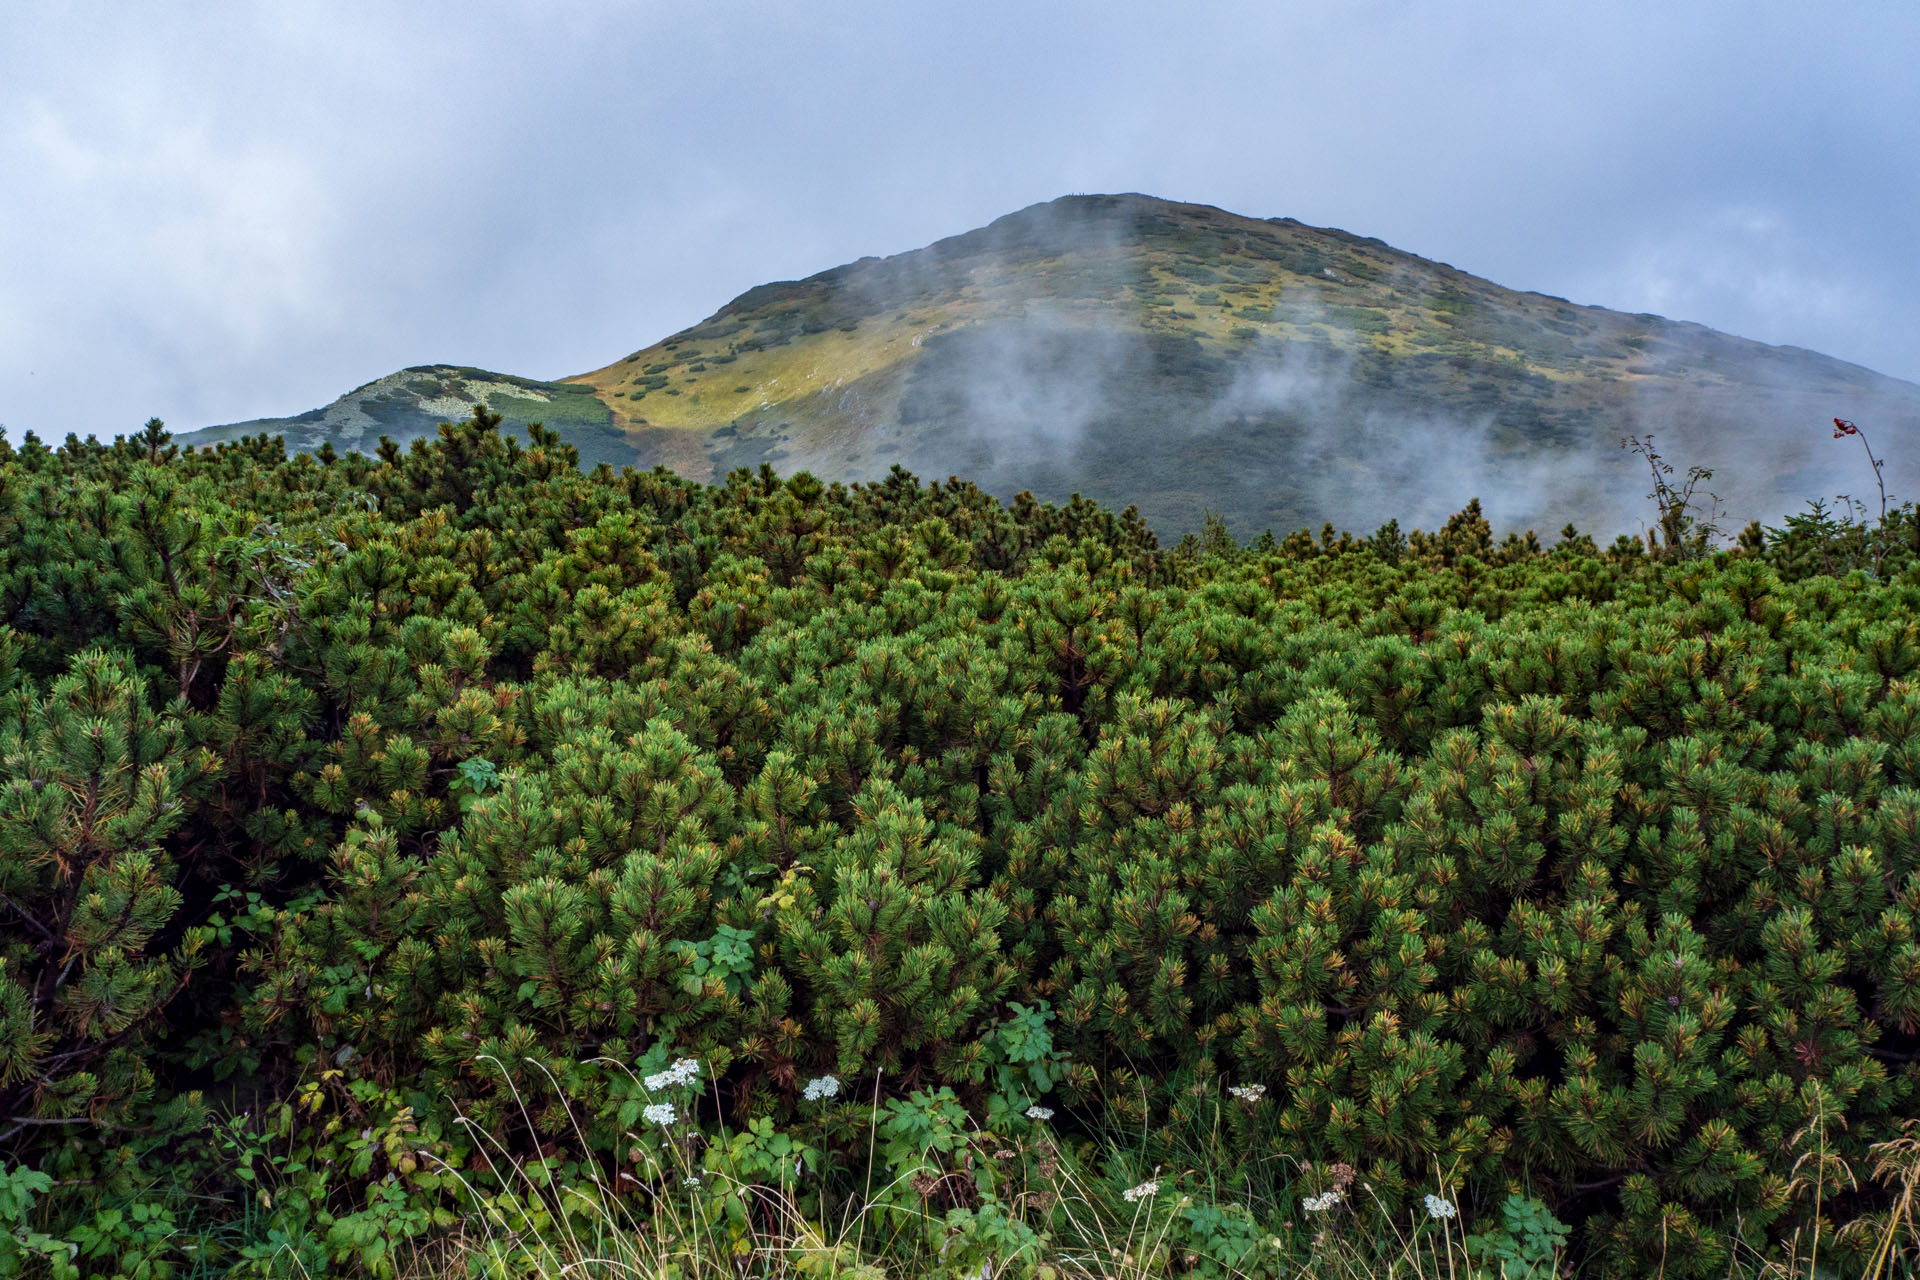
{"points": [[1526, 1245], [20, 1244]]}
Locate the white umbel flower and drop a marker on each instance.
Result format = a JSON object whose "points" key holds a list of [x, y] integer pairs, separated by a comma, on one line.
{"points": [[1438, 1208], [1322, 1202], [1038, 1112], [820, 1087], [1145, 1191], [1247, 1092], [682, 1072], [660, 1113]]}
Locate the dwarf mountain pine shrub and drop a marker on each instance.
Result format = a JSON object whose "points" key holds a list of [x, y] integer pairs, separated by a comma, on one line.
{"points": [[1585, 871]]}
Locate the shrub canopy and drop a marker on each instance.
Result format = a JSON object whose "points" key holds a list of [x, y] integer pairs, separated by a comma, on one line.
{"points": [[1574, 870]]}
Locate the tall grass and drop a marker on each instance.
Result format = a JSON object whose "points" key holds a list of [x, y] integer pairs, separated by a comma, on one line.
{"points": [[1085, 1211]]}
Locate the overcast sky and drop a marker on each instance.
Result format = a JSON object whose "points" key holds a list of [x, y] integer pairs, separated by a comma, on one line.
{"points": [[213, 212]]}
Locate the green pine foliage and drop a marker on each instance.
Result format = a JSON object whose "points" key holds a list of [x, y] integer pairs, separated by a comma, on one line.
{"points": [[461, 777]]}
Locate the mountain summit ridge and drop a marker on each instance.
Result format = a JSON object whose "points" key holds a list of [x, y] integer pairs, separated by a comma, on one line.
{"points": [[1184, 359]]}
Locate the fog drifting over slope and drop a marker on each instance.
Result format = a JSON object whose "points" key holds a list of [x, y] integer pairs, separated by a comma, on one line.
{"points": [[1069, 368], [1186, 360]]}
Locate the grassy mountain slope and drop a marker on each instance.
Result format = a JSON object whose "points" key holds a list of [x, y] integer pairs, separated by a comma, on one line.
{"points": [[1182, 359], [411, 404]]}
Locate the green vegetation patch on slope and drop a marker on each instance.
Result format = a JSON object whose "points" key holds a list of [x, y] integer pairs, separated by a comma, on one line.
{"points": [[411, 404]]}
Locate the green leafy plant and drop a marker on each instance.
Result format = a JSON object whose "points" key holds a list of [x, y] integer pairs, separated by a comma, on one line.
{"points": [[1026, 1066], [1527, 1243], [21, 1246]]}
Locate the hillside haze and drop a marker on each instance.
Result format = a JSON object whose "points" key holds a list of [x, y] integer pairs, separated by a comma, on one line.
{"points": [[1182, 359]]}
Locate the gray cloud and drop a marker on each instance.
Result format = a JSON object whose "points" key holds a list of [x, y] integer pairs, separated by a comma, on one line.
{"points": [[215, 212]]}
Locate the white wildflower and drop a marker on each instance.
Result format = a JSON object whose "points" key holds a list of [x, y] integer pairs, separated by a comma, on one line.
{"points": [[1038, 1112], [821, 1087], [1322, 1202], [1438, 1208], [692, 1182], [1247, 1092], [681, 1072], [1146, 1190], [660, 1113]]}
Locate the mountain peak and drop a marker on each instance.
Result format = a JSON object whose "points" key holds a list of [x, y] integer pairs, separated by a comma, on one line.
{"points": [[1184, 359]]}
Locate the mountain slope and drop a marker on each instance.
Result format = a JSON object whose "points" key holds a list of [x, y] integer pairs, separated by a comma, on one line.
{"points": [[413, 403], [1182, 359]]}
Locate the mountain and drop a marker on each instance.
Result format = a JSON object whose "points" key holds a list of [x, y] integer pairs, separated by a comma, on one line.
{"points": [[412, 404], [1184, 359]]}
